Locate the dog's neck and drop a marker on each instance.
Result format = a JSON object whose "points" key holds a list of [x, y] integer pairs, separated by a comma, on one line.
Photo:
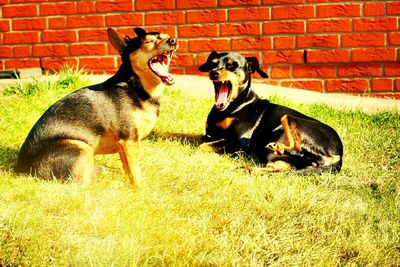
{"points": [[126, 75]]}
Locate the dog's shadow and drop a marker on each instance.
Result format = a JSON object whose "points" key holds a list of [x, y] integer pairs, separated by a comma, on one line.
{"points": [[185, 139], [8, 158]]}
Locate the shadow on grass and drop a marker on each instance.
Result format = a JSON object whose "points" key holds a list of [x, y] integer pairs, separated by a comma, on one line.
{"points": [[8, 158]]}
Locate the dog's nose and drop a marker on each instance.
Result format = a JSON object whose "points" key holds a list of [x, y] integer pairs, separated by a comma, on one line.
{"points": [[172, 41], [214, 74]]}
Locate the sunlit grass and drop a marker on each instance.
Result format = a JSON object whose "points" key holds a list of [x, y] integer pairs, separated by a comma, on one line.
{"points": [[195, 208]]}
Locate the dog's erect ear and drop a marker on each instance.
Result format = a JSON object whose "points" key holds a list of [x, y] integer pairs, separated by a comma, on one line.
{"points": [[118, 40], [253, 65], [140, 32], [211, 62]]}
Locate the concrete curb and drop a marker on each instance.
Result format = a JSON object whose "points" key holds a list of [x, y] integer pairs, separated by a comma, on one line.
{"points": [[200, 86]]}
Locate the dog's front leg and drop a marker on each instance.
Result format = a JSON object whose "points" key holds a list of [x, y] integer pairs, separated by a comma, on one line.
{"points": [[129, 153]]}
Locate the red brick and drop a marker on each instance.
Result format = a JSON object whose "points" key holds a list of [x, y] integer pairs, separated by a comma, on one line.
{"points": [[183, 60], [21, 37], [392, 70], [274, 27], [331, 41], [58, 63], [238, 2], [276, 2], [4, 25], [21, 1], [314, 71], [58, 23], [12, 11], [49, 50], [86, 7], [6, 51], [93, 35], [255, 43], [383, 85], [375, 24], [352, 85], [208, 45], [97, 63], [171, 17], [386, 95], [198, 16], [272, 57], [393, 8], [124, 19], [58, 36], [350, 70], [22, 51], [57, 9], [202, 58], [3, 2], [208, 30], [308, 85], [327, 56], [367, 39], [284, 42], [397, 85], [331, 25], [154, 5], [292, 12], [22, 63], [29, 24], [374, 54], [87, 49], [374, 9], [246, 14], [114, 6], [394, 38], [240, 29], [339, 10], [85, 21], [196, 4], [280, 72]]}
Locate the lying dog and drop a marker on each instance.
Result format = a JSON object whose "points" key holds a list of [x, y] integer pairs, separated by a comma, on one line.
{"points": [[276, 135], [111, 117]]}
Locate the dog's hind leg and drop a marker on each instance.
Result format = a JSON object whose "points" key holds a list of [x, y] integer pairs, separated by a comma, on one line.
{"points": [[65, 159]]}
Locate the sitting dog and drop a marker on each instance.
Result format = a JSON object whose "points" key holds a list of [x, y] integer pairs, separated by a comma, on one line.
{"points": [[110, 117], [276, 135]]}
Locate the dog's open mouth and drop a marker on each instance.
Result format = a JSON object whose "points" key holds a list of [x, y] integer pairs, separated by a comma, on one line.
{"points": [[223, 90], [159, 64]]}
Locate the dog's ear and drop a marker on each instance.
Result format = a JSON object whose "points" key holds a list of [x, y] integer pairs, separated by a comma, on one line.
{"points": [[211, 63], [253, 65], [140, 32], [118, 40]]}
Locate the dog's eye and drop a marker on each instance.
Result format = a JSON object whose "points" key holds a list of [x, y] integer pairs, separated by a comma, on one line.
{"points": [[232, 66]]}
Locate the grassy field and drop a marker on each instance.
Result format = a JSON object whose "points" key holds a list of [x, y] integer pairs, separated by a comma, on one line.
{"points": [[200, 209]]}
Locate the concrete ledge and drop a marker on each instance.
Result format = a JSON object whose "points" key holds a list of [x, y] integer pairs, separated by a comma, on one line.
{"points": [[200, 86]]}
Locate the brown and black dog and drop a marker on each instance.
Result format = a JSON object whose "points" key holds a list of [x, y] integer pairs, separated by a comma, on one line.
{"points": [[276, 135], [111, 117]]}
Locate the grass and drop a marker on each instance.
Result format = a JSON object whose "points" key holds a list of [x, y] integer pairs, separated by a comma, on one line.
{"points": [[195, 208]]}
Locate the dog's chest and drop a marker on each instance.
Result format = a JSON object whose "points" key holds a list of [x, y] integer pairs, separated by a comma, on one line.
{"points": [[144, 119]]}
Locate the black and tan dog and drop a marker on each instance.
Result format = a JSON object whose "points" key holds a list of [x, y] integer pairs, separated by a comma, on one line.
{"points": [[276, 135], [111, 117]]}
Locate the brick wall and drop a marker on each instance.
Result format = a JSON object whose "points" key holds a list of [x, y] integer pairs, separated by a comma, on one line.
{"points": [[320, 45]]}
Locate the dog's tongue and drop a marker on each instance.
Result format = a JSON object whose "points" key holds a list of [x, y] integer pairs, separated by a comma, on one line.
{"points": [[222, 95]]}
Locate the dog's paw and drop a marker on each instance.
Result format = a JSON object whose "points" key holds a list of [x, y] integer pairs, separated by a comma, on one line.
{"points": [[207, 148], [276, 147]]}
